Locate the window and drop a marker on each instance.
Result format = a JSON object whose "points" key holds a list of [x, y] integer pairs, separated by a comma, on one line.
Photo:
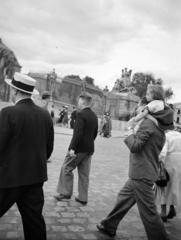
{"points": [[177, 119], [178, 111]]}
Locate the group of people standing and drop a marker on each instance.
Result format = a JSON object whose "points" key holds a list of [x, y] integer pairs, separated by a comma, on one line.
{"points": [[26, 143], [63, 118]]}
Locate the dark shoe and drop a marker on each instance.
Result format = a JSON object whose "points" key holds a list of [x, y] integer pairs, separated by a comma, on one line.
{"points": [[82, 202], [102, 229], [164, 218], [61, 197], [171, 214]]}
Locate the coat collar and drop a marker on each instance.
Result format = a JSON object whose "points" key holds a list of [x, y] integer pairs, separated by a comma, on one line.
{"points": [[25, 101]]}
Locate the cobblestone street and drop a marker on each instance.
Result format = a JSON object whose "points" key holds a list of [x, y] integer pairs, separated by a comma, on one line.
{"points": [[71, 220]]}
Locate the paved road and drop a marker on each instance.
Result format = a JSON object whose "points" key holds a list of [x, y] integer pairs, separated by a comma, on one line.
{"points": [[71, 220]]}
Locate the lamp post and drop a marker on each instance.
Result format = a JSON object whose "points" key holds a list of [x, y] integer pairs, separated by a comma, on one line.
{"points": [[51, 83], [105, 93]]}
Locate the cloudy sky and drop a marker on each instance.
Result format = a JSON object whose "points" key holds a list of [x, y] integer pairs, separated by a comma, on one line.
{"points": [[96, 37]]}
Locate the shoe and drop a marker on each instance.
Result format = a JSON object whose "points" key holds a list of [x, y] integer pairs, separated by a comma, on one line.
{"points": [[102, 229], [61, 197], [164, 218], [82, 202], [171, 214]]}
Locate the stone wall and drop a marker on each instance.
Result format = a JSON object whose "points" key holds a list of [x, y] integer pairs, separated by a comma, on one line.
{"points": [[68, 89], [121, 104]]}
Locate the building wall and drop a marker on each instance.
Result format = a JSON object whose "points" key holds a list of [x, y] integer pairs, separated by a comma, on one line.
{"points": [[68, 89]]}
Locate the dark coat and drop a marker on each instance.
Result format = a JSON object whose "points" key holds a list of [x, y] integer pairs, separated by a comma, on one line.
{"points": [[145, 146], [85, 132], [26, 142]]}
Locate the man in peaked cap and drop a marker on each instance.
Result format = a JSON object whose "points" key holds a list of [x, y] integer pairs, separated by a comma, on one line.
{"points": [[26, 142]]}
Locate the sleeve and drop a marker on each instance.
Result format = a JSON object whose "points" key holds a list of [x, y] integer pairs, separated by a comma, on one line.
{"points": [[96, 130], [5, 129], [50, 142], [164, 151], [135, 142], [78, 131]]}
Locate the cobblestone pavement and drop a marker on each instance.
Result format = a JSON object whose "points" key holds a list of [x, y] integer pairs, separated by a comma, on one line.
{"points": [[71, 220]]}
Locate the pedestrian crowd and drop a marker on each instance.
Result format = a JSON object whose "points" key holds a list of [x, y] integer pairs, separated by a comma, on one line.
{"points": [[26, 144]]}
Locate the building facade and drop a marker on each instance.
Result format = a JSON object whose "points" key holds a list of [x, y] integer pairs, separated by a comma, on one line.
{"points": [[8, 66], [67, 89]]}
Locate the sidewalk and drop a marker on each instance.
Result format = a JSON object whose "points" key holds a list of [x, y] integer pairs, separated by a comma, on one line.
{"points": [[70, 220], [68, 131]]}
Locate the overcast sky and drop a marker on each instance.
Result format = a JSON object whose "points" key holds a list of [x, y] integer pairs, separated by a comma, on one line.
{"points": [[96, 37]]}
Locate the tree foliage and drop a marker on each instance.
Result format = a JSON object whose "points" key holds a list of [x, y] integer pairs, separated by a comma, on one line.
{"points": [[89, 80], [168, 93], [140, 81]]}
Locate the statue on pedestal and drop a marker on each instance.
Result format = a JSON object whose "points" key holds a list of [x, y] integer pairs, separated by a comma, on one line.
{"points": [[122, 84], [51, 81]]}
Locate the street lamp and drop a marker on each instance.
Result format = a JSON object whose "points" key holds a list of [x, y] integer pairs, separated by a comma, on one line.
{"points": [[51, 82], [105, 93]]}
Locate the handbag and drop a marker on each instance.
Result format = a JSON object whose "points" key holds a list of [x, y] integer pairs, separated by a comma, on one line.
{"points": [[163, 176]]}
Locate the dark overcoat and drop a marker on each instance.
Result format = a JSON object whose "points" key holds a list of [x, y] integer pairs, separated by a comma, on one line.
{"points": [[26, 142]]}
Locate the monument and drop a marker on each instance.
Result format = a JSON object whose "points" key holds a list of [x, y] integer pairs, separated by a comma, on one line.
{"points": [[122, 84], [51, 82], [121, 101]]}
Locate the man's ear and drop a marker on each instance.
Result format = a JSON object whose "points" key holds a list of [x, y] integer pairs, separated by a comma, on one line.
{"points": [[16, 92]]}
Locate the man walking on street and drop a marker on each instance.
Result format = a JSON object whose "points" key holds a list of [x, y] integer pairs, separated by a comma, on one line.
{"points": [[79, 152], [145, 146], [26, 142]]}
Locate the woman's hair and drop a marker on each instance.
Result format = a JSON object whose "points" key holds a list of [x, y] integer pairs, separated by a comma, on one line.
{"points": [[157, 92], [143, 101]]}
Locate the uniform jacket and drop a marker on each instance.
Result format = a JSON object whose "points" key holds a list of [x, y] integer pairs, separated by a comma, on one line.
{"points": [[145, 146], [26, 142], [85, 132]]}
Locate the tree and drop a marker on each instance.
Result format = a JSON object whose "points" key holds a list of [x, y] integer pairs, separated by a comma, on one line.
{"points": [[168, 93], [89, 80], [140, 81]]}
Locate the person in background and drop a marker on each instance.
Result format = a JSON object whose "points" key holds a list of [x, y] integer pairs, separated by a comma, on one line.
{"points": [[65, 117], [171, 157], [45, 100], [79, 153], [61, 115], [106, 126], [26, 142]]}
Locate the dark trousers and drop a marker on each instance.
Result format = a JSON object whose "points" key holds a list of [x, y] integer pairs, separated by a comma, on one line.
{"points": [[140, 192], [30, 201]]}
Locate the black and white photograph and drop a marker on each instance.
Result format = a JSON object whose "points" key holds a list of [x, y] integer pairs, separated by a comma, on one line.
{"points": [[90, 120]]}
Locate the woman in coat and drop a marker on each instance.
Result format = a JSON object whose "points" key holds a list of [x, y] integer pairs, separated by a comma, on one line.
{"points": [[171, 194]]}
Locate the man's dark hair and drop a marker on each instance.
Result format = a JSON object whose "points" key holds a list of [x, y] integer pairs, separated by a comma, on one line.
{"points": [[24, 93], [86, 96]]}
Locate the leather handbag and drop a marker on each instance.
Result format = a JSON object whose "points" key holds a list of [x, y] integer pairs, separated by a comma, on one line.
{"points": [[163, 176]]}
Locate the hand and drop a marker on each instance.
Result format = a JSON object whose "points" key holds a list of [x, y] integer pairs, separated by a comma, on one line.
{"points": [[129, 132], [71, 153]]}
